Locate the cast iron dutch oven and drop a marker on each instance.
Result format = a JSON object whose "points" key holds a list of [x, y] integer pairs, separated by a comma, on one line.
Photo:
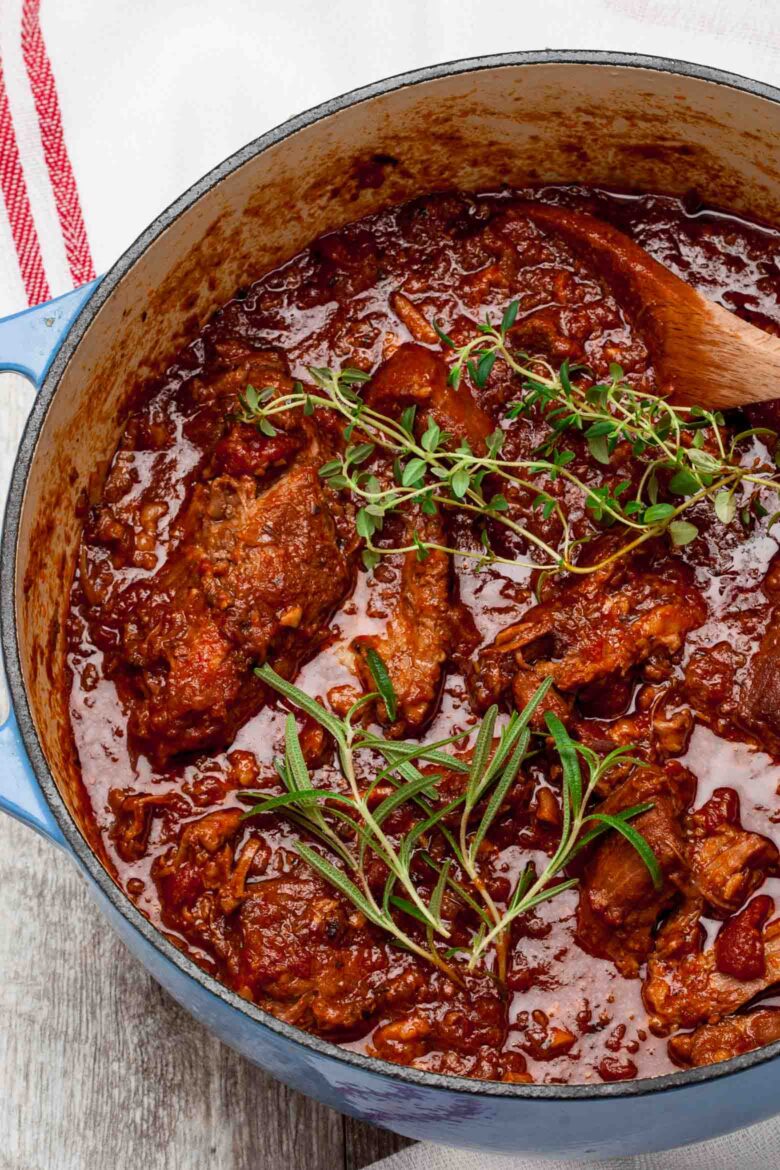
{"points": [[559, 117]]}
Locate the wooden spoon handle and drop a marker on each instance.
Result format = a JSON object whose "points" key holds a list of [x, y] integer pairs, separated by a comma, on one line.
{"points": [[701, 353], [640, 284], [715, 359]]}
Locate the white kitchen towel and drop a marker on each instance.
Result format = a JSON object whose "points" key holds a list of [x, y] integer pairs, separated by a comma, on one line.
{"points": [[108, 111]]}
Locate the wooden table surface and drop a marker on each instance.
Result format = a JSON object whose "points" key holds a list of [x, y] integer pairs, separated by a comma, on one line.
{"points": [[99, 1068]]}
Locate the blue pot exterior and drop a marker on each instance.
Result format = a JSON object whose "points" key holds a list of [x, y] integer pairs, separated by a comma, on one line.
{"points": [[573, 1122]]}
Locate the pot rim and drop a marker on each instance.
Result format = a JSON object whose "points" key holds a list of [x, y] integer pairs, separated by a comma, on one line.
{"points": [[10, 644]]}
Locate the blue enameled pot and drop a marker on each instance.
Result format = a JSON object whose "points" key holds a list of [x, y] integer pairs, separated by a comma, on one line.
{"points": [[602, 119]]}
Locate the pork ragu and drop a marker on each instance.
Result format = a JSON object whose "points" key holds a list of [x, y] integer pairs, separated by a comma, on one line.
{"points": [[402, 472]]}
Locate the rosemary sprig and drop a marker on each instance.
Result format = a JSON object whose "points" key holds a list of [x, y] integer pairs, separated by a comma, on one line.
{"points": [[530, 890], [685, 454], [347, 826]]}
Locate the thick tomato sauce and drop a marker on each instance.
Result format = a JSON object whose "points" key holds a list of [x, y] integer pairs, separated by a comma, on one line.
{"points": [[166, 785]]}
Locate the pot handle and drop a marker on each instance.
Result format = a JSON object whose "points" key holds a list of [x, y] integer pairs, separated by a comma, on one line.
{"points": [[30, 339], [20, 795], [28, 343]]}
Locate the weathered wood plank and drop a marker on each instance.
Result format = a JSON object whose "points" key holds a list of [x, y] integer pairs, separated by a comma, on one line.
{"points": [[364, 1144]]}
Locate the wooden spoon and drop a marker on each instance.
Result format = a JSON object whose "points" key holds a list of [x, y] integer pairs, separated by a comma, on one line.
{"points": [[702, 354]]}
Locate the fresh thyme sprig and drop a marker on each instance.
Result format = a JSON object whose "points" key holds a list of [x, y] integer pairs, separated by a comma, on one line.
{"points": [[685, 453], [668, 439], [352, 827]]}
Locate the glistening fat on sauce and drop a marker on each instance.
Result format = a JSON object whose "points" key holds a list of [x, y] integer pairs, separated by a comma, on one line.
{"points": [[219, 545]]}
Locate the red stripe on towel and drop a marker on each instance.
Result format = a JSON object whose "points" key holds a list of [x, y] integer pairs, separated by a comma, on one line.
{"points": [[66, 196], [17, 203]]}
